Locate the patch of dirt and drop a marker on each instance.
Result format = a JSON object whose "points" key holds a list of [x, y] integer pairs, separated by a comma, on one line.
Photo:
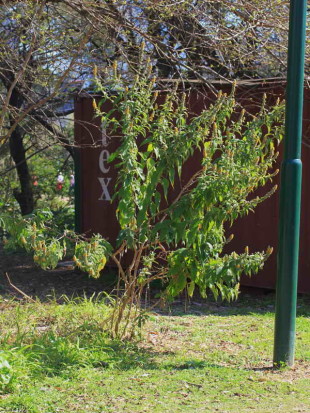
{"points": [[300, 370], [35, 282]]}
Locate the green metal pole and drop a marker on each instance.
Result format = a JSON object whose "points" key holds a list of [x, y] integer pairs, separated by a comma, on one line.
{"points": [[290, 191]]}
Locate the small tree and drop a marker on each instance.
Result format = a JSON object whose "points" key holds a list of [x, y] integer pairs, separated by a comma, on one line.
{"points": [[181, 240], [169, 232]]}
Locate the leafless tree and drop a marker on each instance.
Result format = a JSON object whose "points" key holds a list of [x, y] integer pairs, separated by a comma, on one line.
{"points": [[48, 49]]}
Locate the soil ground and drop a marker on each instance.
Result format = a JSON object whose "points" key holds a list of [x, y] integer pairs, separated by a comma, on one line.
{"points": [[35, 282], [65, 280]]}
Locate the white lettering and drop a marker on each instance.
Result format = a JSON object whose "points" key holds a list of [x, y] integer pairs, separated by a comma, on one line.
{"points": [[103, 158], [104, 136], [103, 165], [104, 182]]}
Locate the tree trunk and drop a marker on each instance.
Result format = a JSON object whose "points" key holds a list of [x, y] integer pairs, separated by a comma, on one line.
{"points": [[25, 196]]}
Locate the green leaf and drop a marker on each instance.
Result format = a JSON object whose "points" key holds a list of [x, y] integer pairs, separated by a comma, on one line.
{"points": [[191, 288]]}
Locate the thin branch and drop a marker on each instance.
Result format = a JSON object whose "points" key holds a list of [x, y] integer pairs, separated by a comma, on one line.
{"points": [[18, 290], [19, 74], [58, 84]]}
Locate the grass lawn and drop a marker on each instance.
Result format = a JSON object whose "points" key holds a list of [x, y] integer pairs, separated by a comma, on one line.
{"points": [[212, 358]]}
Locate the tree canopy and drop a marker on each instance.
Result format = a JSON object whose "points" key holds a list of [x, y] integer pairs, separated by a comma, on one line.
{"points": [[48, 50]]}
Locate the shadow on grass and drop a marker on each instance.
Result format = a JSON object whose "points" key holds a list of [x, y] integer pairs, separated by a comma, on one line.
{"points": [[54, 356], [59, 359], [49, 354], [246, 304]]}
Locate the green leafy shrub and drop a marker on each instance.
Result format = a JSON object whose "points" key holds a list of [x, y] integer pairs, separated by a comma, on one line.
{"points": [[170, 232], [32, 234], [90, 256], [63, 218], [39, 235], [175, 232], [6, 373]]}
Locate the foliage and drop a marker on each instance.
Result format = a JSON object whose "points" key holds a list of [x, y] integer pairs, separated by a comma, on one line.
{"points": [[45, 167], [8, 181], [90, 256], [170, 229], [174, 229], [32, 234], [63, 215], [37, 234], [5, 373]]}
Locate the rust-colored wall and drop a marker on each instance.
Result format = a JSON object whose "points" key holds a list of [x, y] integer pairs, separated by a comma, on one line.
{"points": [[97, 211], [261, 228], [257, 230]]}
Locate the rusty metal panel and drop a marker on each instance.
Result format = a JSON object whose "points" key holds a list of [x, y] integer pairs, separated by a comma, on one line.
{"points": [[96, 176], [260, 229], [257, 230]]}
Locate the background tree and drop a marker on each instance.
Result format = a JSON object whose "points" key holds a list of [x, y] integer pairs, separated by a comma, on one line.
{"points": [[202, 39], [48, 50], [40, 65]]}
